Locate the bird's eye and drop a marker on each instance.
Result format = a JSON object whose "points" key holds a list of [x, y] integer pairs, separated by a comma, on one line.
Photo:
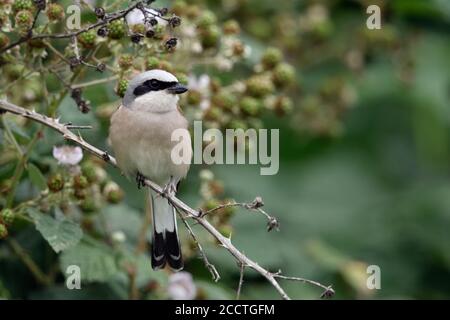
{"points": [[154, 83]]}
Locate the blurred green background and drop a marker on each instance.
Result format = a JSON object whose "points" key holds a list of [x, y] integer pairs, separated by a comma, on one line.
{"points": [[361, 182]]}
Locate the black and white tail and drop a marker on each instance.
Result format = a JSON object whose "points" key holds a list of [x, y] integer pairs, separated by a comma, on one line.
{"points": [[165, 244]]}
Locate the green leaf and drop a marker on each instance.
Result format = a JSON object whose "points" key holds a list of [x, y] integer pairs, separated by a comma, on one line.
{"points": [[21, 135], [36, 177], [61, 234], [96, 261]]}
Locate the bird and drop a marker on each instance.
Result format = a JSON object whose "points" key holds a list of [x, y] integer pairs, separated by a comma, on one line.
{"points": [[140, 136]]}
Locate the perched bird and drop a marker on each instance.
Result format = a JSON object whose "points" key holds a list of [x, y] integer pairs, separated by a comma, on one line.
{"points": [[140, 135]]}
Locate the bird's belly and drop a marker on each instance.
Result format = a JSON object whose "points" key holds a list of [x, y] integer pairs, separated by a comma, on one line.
{"points": [[142, 144]]}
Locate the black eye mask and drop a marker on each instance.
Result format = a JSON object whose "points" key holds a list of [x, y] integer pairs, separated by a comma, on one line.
{"points": [[152, 85]]}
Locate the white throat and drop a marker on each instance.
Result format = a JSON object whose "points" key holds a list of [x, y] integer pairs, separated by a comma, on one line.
{"points": [[155, 101]]}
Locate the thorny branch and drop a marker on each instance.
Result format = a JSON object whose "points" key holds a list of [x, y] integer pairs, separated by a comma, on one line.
{"points": [[108, 18], [212, 269], [198, 216]]}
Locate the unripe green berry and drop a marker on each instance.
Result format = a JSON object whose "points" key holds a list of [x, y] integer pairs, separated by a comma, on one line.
{"points": [[283, 75], [179, 7], [193, 11], [3, 231], [213, 114], [55, 12], [224, 100], [237, 124], [126, 61], [80, 182], [152, 63], [283, 105], [250, 106], [7, 216], [90, 204], [87, 39], [56, 182], [259, 86], [117, 29], [194, 97], [231, 27], [88, 170], [210, 36], [113, 193], [19, 5], [271, 57], [207, 19], [24, 19], [122, 87], [182, 78]]}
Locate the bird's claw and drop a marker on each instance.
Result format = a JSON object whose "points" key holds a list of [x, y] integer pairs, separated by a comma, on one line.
{"points": [[169, 190], [140, 180]]}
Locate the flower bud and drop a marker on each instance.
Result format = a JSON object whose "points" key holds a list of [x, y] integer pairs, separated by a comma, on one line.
{"points": [[112, 192], [24, 19], [55, 12], [80, 182], [231, 27], [207, 19], [271, 57], [122, 87], [126, 61], [210, 36], [250, 106], [259, 86], [7, 216], [283, 75], [56, 182]]}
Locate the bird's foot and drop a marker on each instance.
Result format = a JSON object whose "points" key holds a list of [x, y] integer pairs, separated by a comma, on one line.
{"points": [[170, 189], [140, 180]]}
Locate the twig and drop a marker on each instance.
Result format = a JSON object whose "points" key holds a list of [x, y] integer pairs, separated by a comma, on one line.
{"points": [[241, 281], [94, 82], [189, 212], [255, 205], [109, 18], [211, 268], [329, 292]]}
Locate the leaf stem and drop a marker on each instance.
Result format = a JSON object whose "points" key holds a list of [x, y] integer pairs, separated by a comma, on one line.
{"points": [[38, 274]]}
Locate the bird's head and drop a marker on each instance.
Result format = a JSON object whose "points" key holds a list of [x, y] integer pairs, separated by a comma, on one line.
{"points": [[153, 91]]}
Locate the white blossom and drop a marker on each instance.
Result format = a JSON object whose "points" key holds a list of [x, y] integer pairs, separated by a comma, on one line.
{"points": [[136, 16], [201, 85], [119, 237], [68, 155], [181, 286]]}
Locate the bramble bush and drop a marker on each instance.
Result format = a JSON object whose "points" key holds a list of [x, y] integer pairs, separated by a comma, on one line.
{"points": [[311, 68]]}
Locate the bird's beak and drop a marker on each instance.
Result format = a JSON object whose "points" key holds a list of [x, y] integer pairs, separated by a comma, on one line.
{"points": [[177, 89]]}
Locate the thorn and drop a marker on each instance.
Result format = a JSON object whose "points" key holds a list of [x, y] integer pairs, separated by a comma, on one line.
{"points": [[328, 293]]}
